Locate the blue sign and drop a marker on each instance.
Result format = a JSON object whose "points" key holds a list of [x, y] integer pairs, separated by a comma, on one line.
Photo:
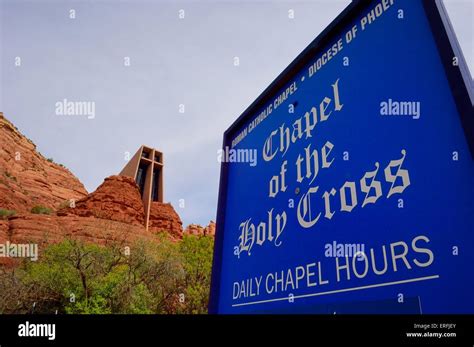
{"points": [[348, 185]]}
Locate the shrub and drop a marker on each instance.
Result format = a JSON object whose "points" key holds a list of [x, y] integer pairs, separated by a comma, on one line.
{"points": [[150, 279], [197, 262], [38, 209], [4, 214]]}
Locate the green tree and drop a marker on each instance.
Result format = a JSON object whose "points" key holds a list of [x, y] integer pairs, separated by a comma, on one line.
{"points": [[143, 277], [197, 253]]}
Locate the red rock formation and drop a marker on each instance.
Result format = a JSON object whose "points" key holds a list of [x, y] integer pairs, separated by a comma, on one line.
{"points": [[196, 229], [113, 213], [211, 229], [117, 198], [27, 178], [44, 229], [163, 217], [4, 231]]}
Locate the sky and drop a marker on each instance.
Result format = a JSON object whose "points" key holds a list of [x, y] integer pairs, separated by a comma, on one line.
{"points": [[160, 73]]}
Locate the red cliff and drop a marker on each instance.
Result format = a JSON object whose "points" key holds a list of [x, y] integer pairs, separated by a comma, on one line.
{"points": [[117, 198], [27, 179], [114, 212], [163, 217]]}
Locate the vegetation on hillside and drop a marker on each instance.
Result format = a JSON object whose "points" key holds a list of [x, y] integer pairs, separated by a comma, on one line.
{"points": [[39, 209], [165, 277], [4, 213]]}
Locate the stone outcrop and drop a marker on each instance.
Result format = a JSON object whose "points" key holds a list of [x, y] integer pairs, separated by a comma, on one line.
{"points": [[211, 228], [117, 198], [114, 212], [44, 229], [196, 229], [163, 217], [4, 231], [27, 179]]}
